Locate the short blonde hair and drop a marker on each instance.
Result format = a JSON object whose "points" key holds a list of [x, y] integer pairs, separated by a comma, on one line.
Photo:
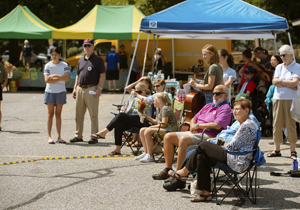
{"points": [[164, 97], [142, 86], [211, 49]]}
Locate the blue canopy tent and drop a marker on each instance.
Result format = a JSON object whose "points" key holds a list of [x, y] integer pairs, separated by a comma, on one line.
{"points": [[213, 19]]}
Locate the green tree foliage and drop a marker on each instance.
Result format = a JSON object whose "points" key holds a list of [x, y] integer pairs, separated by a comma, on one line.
{"points": [[152, 6]]}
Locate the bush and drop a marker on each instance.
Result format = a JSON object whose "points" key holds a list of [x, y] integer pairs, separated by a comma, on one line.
{"points": [[73, 51]]}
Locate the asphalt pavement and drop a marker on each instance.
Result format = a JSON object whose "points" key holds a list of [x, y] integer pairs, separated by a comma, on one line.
{"points": [[54, 181]]}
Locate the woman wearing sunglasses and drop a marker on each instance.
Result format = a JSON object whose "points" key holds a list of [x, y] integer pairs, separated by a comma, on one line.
{"points": [[159, 87], [286, 80], [214, 74], [128, 118]]}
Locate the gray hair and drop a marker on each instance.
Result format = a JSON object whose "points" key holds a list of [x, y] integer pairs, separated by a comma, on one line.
{"points": [[286, 49]]}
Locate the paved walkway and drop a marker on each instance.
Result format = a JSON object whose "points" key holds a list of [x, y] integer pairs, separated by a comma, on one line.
{"points": [[102, 183]]}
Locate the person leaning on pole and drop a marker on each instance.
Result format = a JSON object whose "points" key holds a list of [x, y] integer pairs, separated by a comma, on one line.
{"points": [[90, 77]]}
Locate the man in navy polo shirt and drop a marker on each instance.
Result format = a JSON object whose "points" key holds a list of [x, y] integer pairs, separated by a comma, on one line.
{"points": [[112, 66], [26, 54], [90, 77]]}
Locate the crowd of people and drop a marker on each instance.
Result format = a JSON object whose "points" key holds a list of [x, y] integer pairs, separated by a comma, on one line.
{"points": [[197, 152]]}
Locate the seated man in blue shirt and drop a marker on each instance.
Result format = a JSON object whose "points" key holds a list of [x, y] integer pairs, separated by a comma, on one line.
{"points": [[172, 184]]}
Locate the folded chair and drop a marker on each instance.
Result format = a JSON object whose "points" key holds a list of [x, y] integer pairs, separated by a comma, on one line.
{"points": [[249, 175], [158, 138], [128, 135]]}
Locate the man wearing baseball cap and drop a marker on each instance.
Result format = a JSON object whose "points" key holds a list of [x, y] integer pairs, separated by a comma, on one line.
{"points": [[87, 89]]}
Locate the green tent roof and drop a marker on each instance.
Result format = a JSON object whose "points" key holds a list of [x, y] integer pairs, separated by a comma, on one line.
{"points": [[21, 23]]}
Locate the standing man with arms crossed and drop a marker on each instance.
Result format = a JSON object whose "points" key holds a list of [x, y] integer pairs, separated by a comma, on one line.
{"points": [[90, 77]]}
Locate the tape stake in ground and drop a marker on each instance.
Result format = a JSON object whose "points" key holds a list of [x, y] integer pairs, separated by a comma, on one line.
{"points": [[65, 158]]}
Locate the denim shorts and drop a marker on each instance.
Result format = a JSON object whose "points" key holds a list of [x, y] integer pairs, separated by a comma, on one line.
{"points": [[55, 98]]}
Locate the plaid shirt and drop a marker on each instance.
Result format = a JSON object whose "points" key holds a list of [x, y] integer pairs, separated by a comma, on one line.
{"points": [[228, 134]]}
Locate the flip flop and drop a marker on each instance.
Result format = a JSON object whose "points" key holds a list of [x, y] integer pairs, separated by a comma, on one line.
{"points": [[61, 141], [51, 141], [197, 199], [97, 136]]}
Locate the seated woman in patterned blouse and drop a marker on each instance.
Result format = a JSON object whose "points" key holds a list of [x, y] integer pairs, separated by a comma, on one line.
{"points": [[207, 155]]}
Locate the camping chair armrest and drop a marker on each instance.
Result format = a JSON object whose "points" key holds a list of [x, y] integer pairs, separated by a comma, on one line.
{"points": [[239, 153], [185, 123], [160, 124], [210, 129], [118, 106]]}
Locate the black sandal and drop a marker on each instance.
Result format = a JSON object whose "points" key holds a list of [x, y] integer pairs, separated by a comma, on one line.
{"points": [[293, 154], [97, 136], [197, 199], [274, 154], [114, 153]]}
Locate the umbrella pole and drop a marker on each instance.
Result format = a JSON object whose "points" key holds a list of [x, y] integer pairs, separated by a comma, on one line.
{"points": [[173, 58], [153, 51], [275, 44], [130, 68], [145, 57], [291, 44]]}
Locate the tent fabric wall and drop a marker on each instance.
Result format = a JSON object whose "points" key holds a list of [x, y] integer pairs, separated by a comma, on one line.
{"points": [[21, 23], [231, 19], [105, 22]]}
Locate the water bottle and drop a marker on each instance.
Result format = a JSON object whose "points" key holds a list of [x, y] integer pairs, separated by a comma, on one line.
{"points": [[168, 78], [295, 164]]}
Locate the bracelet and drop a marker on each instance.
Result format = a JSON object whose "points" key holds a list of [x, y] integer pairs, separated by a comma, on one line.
{"points": [[100, 88]]}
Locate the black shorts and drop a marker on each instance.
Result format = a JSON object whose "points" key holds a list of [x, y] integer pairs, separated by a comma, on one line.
{"points": [[112, 74], [1, 92]]}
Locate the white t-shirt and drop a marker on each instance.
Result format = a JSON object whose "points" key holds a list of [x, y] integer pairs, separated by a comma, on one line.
{"points": [[286, 73], [230, 73], [56, 87]]}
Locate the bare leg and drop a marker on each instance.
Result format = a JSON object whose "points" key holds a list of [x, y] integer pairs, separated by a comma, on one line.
{"points": [[184, 143], [170, 140], [109, 85], [50, 119], [293, 147], [58, 111], [142, 136], [148, 136], [277, 146], [115, 85]]}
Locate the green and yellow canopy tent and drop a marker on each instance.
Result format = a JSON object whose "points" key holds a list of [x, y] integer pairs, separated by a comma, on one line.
{"points": [[105, 22], [21, 23]]}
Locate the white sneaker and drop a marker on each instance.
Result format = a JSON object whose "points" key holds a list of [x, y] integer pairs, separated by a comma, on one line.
{"points": [[148, 158], [141, 156]]}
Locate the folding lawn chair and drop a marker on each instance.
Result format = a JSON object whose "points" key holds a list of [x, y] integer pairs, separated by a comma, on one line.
{"points": [[158, 138], [250, 174]]}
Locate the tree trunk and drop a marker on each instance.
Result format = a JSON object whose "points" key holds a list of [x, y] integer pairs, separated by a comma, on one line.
{"points": [[14, 51]]}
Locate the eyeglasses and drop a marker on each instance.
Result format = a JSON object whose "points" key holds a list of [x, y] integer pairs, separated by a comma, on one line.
{"points": [[87, 45], [156, 86], [283, 55], [237, 109], [218, 93], [139, 91]]}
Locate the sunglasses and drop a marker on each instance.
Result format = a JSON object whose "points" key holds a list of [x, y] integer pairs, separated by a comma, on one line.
{"points": [[218, 93], [139, 91], [283, 55], [156, 86], [87, 45]]}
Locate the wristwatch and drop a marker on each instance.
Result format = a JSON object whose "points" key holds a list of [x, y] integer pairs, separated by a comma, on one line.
{"points": [[100, 88], [280, 80], [197, 125]]}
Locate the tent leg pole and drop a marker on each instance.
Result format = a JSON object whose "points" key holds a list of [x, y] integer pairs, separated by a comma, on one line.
{"points": [[64, 48], [145, 57], [291, 44], [130, 68], [173, 58], [153, 54], [275, 44]]}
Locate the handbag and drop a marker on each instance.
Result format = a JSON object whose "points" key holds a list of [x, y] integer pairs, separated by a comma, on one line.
{"points": [[193, 188]]}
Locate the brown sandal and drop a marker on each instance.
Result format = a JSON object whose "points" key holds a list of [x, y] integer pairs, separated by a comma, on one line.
{"points": [[274, 154]]}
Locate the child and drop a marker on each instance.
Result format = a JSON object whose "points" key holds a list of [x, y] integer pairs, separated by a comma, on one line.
{"points": [[164, 114], [55, 92]]}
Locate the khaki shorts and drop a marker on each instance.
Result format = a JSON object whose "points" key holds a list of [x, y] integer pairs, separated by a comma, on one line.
{"points": [[26, 60], [196, 138]]}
